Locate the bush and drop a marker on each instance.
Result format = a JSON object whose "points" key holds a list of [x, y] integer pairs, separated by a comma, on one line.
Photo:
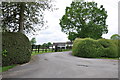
{"points": [[117, 43], [110, 49], [115, 37], [16, 48], [91, 48]]}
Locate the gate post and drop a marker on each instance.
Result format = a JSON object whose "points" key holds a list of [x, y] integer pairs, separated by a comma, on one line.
{"points": [[56, 48]]}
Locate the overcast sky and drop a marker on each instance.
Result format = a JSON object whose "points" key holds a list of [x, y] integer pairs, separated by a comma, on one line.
{"points": [[53, 32]]}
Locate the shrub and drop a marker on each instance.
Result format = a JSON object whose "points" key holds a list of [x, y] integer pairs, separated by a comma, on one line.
{"points": [[117, 43], [86, 48], [91, 48], [16, 48], [115, 37], [110, 49]]}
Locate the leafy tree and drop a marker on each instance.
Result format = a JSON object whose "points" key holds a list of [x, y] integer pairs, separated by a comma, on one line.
{"points": [[24, 17], [84, 19], [49, 43], [115, 37], [46, 44], [33, 41], [72, 36]]}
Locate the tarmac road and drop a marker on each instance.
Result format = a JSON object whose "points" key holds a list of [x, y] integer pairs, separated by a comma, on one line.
{"points": [[64, 65]]}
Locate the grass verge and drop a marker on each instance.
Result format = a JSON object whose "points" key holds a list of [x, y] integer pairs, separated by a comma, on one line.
{"points": [[5, 68], [35, 53]]}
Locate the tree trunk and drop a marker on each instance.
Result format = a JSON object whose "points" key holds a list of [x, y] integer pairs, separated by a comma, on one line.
{"points": [[21, 19]]}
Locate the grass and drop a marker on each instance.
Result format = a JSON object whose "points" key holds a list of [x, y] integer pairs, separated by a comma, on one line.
{"points": [[35, 53], [40, 52], [5, 68]]}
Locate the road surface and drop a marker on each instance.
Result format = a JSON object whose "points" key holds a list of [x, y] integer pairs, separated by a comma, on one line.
{"points": [[64, 65]]}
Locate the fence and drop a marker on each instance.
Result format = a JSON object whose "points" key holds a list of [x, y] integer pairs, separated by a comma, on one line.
{"points": [[38, 48]]}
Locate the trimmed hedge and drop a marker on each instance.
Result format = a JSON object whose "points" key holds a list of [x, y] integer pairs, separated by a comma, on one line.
{"points": [[16, 48], [117, 43], [90, 48], [110, 49]]}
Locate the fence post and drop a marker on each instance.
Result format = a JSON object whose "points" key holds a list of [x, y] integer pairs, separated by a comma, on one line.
{"points": [[38, 48], [42, 49], [45, 49], [56, 48], [52, 48]]}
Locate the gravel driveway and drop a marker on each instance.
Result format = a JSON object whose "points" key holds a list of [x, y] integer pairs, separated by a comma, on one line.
{"points": [[64, 65]]}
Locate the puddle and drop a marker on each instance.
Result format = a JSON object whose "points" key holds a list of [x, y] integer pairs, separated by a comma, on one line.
{"points": [[46, 59]]}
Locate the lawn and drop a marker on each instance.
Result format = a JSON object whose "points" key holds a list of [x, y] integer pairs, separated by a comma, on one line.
{"points": [[35, 53], [41, 52]]}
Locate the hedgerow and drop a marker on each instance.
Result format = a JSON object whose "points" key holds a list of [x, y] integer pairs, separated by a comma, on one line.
{"points": [[91, 48], [16, 48]]}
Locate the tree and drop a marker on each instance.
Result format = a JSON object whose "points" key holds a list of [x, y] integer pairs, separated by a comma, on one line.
{"points": [[24, 16], [84, 19], [72, 36], [115, 37], [49, 44], [46, 44], [33, 41]]}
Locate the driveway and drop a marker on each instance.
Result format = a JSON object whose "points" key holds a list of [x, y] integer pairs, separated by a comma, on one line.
{"points": [[64, 65]]}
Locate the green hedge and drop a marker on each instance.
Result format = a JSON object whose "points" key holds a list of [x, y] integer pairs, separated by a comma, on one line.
{"points": [[91, 48], [16, 48], [110, 49], [117, 43]]}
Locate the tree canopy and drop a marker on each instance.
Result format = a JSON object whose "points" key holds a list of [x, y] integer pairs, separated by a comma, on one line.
{"points": [[72, 36], [47, 45], [24, 16], [33, 41], [115, 37], [84, 19]]}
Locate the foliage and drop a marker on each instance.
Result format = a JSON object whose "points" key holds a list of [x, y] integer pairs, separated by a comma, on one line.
{"points": [[110, 49], [16, 48], [33, 41], [115, 37], [49, 44], [4, 53], [86, 48], [24, 16], [72, 36], [46, 45], [91, 48], [84, 19], [117, 43]]}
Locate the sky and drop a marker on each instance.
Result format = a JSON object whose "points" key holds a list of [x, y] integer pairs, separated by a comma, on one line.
{"points": [[53, 32]]}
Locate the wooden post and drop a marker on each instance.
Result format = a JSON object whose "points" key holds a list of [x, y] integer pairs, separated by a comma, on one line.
{"points": [[38, 48], [56, 48], [42, 49], [52, 48], [45, 49]]}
